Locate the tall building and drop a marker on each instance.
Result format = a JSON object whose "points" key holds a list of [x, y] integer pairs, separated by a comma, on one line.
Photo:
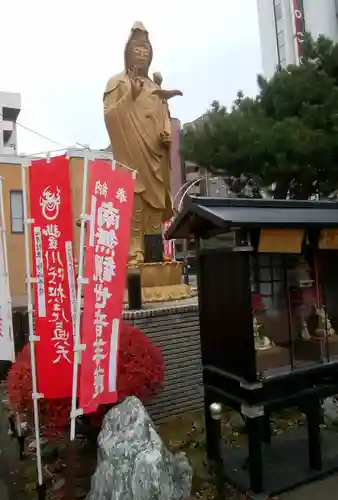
{"points": [[282, 24], [10, 107]]}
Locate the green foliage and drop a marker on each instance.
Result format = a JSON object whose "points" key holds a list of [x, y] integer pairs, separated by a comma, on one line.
{"points": [[287, 134]]}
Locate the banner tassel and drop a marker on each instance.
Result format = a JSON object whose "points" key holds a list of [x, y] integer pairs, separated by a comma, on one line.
{"points": [[35, 395]]}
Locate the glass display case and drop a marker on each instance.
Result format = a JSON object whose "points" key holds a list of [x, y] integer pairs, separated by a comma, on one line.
{"points": [[294, 325], [267, 314], [267, 286]]}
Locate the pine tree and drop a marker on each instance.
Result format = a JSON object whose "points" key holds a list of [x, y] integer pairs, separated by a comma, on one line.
{"points": [[286, 136]]}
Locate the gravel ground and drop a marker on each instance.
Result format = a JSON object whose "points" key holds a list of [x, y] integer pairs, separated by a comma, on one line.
{"points": [[321, 490], [185, 433]]}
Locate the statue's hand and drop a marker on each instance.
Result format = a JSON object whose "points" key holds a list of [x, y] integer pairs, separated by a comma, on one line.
{"points": [[166, 94], [135, 82]]}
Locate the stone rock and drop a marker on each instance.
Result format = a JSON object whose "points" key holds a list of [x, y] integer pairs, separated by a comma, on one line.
{"points": [[133, 463], [330, 408]]}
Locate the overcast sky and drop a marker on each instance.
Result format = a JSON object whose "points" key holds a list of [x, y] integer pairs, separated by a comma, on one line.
{"points": [[59, 55]]}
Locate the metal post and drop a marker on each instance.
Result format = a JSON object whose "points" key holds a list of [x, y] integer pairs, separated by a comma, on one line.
{"points": [[216, 411], [255, 453], [32, 338], [313, 427], [20, 437]]}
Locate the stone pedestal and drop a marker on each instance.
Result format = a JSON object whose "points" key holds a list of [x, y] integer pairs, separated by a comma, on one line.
{"points": [[161, 281], [174, 328]]}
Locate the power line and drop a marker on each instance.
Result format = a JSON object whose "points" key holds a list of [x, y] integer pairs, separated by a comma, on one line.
{"points": [[36, 133]]}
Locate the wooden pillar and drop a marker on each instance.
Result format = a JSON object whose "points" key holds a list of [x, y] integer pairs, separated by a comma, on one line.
{"points": [[313, 415]]}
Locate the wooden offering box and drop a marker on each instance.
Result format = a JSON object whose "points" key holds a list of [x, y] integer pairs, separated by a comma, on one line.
{"points": [[268, 295]]}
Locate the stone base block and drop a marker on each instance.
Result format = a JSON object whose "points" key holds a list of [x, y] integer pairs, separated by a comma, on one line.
{"points": [[161, 281]]}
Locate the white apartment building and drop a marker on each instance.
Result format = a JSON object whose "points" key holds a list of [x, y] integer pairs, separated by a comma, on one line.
{"points": [[282, 24], [10, 107]]}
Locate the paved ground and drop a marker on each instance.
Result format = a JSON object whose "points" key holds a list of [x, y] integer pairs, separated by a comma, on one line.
{"points": [[323, 490], [10, 473], [3, 491]]}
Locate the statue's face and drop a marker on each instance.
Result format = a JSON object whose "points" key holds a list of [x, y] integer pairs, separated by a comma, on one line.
{"points": [[140, 55]]}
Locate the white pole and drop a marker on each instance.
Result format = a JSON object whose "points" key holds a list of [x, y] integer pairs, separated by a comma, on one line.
{"points": [[180, 190], [4, 246], [80, 281], [188, 189], [32, 337]]}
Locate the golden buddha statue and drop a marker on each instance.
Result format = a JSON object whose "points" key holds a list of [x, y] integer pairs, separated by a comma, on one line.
{"points": [[138, 123]]}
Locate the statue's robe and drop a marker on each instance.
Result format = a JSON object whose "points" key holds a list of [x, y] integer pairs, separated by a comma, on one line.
{"points": [[135, 128]]}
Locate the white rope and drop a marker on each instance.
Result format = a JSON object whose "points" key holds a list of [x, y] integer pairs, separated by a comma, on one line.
{"points": [[31, 155]]}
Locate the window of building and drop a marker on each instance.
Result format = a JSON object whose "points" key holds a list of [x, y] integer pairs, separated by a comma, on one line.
{"points": [[270, 274], [16, 205]]}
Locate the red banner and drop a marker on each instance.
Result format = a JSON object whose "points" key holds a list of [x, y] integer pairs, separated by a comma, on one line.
{"points": [[111, 202], [167, 244], [53, 267]]}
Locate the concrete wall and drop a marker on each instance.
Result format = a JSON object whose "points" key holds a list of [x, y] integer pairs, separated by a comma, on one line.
{"points": [[176, 331], [321, 18], [267, 32], [10, 170]]}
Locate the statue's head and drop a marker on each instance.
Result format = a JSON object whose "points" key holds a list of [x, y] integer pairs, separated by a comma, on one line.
{"points": [[138, 51]]}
